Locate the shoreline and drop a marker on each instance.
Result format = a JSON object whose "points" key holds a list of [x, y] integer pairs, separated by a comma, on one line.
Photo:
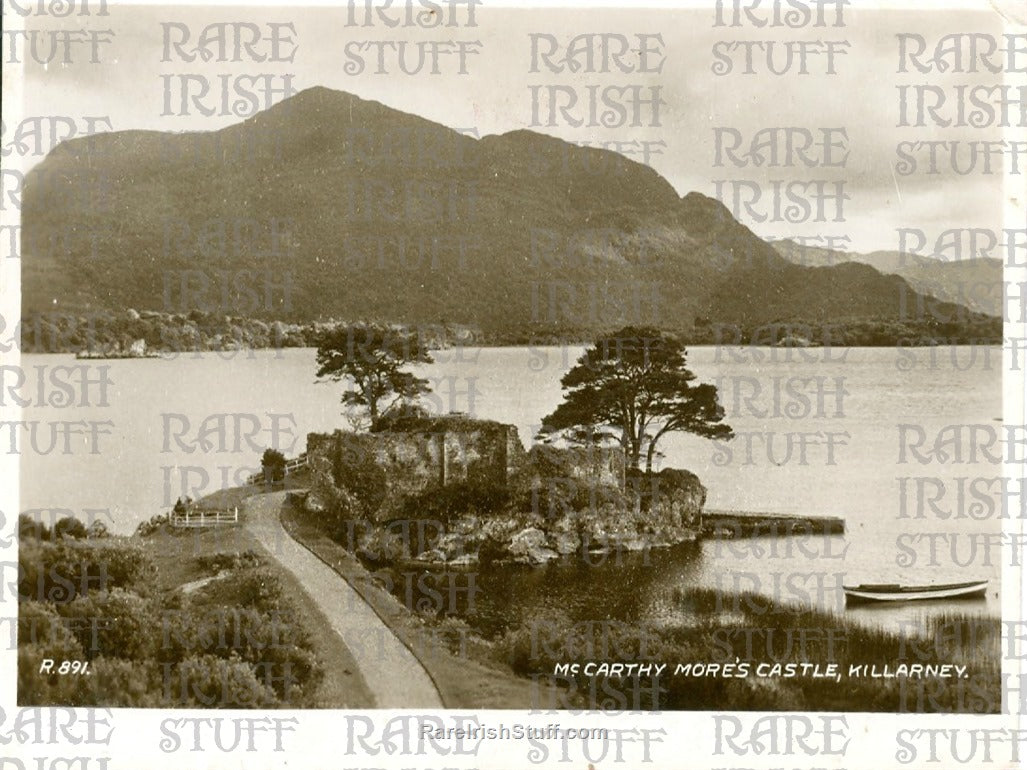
{"points": [[131, 333], [788, 353], [465, 677], [557, 639]]}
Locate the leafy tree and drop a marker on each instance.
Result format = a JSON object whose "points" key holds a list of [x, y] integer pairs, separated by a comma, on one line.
{"points": [[32, 528], [633, 386], [69, 527], [273, 464], [373, 358]]}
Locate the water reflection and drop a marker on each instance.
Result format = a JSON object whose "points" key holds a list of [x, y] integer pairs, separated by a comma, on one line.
{"points": [[643, 586]]}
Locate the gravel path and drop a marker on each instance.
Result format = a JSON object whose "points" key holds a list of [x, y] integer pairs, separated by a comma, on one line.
{"points": [[393, 674]]}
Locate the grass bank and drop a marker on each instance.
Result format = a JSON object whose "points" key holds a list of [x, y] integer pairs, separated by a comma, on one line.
{"points": [[175, 619], [181, 558]]}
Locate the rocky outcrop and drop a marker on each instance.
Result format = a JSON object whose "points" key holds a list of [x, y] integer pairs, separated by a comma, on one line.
{"points": [[676, 497], [657, 511], [471, 486], [531, 546]]}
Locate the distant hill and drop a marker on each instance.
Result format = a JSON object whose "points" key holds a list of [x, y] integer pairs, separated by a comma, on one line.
{"points": [[372, 213], [975, 283]]}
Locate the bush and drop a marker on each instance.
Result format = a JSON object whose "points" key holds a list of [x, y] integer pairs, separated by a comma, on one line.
{"points": [[207, 681], [126, 565], [235, 643], [258, 588], [111, 683], [40, 624], [272, 462], [119, 683], [31, 529], [42, 634], [69, 528], [375, 544], [293, 671], [97, 530], [51, 689], [274, 644], [58, 572], [454, 633], [124, 627], [216, 563], [404, 417], [357, 473], [153, 524], [267, 633]]}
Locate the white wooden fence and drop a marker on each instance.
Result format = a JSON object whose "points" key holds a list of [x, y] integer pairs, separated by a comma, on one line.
{"points": [[203, 518], [290, 466]]}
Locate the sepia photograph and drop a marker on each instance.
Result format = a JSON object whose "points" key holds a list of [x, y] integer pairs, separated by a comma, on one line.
{"points": [[507, 383]]}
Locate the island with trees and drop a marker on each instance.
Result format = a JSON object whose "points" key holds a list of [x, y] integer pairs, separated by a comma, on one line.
{"points": [[468, 486]]}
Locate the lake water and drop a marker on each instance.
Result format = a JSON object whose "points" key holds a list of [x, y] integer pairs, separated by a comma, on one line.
{"points": [[813, 437]]}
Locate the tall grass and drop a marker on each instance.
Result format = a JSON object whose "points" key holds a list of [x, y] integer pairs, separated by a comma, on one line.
{"points": [[717, 628]]}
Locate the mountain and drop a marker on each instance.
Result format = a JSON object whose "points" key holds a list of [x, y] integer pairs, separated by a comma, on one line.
{"points": [[366, 212], [975, 283]]}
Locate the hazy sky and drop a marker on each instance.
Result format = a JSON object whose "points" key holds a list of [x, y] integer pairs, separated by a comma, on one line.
{"points": [[495, 95]]}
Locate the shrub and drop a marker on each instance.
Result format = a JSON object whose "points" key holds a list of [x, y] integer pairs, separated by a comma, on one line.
{"points": [[124, 626], [258, 588], [206, 681], [29, 528], [454, 632], [153, 524], [218, 562], [58, 572], [235, 643], [119, 683], [375, 545], [50, 689], [272, 462], [97, 530], [276, 645], [69, 527], [111, 683], [126, 565], [520, 646], [40, 624], [292, 671], [358, 474]]}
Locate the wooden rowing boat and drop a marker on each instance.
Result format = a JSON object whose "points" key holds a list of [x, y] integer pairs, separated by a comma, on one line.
{"points": [[894, 592]]}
